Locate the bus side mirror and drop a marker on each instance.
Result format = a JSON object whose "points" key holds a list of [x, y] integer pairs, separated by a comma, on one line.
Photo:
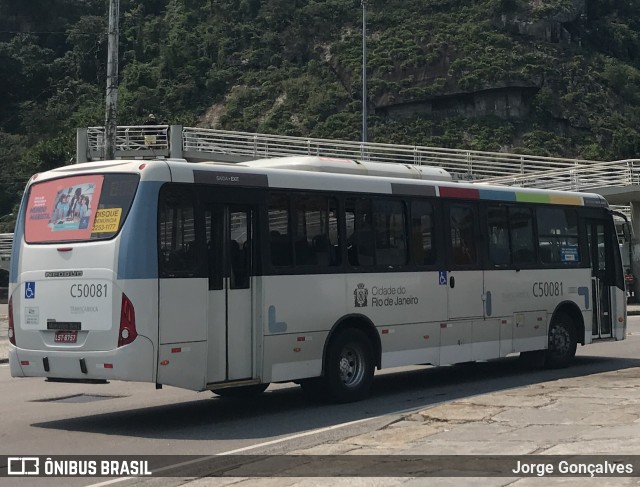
{"points": [[626, 231]]}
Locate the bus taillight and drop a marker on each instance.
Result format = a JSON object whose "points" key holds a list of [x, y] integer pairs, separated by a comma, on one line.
{"points": [[12, 332], [127, 332]]}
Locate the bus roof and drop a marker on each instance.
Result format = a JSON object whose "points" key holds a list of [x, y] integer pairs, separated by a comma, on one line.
{"points": [[318, 173]]}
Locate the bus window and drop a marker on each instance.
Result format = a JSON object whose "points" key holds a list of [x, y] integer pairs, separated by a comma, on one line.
{"points": [[521, 231], [214, 224], [360, 240], [79, 208], [498, 236], [422, 233], [178, 250], [316, 231], [558, 236], [390, 232], [463, 239], [279, 237], [239, 247]]}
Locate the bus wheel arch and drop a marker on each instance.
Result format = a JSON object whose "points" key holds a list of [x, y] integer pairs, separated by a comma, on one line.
{"points": [[570, 309], [359, 322], [351, 353], [566, 329]]}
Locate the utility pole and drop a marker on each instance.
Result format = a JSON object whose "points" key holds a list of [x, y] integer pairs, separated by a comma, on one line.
{"points": [[111, 110], [364, 70]]}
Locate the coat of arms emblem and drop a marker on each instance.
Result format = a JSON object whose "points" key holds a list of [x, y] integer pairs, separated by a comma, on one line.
{"points": [[360, 294]]}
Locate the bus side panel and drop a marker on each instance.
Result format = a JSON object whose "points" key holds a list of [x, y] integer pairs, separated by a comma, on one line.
{"points": [[296, 306], [397, 304], [525, 300], [415, 343], [137, 263]]}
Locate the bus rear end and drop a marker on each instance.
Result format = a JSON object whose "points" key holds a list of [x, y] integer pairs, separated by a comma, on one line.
{"points": [[71, 315]]}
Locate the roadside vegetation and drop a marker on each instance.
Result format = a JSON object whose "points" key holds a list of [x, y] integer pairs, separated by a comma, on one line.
{"points": [[293, 67]]}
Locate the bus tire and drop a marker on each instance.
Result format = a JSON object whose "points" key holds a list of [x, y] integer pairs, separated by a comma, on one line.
{"points": [[562, 342], [241, 392], [349, 366]]}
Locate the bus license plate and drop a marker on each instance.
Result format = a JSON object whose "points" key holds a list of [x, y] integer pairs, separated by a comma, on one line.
{"points": [[66, 337]]}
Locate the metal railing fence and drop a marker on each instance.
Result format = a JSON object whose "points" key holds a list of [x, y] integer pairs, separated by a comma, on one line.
{"points": [[464, 164]]}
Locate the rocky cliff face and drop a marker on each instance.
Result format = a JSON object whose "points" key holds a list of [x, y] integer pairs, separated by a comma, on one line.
{"points": [[437, 88]]}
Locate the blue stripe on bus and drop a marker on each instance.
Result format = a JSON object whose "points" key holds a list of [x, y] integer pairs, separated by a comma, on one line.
{"points": [[18, 235], [138, 254], [489, 194]]}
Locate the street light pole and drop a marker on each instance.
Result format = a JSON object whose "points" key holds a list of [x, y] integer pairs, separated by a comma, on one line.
{"points": [[111, 109], [364, 70]]}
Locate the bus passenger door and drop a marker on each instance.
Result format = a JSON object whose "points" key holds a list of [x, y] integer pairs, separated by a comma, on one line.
{"points": [[465, 276], [230, 250], [182, 290], [601, 237], [464, 281]]}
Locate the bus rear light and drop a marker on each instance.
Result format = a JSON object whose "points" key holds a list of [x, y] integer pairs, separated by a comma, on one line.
{"points": [[127, 332], [12, 331], [24, 362]]}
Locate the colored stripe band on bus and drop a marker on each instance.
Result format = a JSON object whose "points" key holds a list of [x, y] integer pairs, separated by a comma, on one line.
{"points": [[517, 196]]}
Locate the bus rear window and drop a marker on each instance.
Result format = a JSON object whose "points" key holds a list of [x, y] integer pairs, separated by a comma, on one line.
{"points": [[79, 208]]}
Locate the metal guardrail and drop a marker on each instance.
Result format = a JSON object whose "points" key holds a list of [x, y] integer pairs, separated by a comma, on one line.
{"points": [[6, 241], [199, 143], [131, 139], [464, 164], [583, 177], [476, 166]]}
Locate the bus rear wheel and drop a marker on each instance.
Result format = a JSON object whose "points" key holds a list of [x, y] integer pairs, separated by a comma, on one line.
{"points": [[562, 342], [349, 366], [241, 392]]}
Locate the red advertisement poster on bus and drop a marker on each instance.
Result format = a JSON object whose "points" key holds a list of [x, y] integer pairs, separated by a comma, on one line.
{"points": [[62, 209]]}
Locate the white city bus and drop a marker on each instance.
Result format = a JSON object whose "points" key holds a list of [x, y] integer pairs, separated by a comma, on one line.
{"points": [[227, 277]]}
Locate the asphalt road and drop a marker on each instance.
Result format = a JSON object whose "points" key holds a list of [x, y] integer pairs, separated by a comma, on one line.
{"points": [[121, 418]]}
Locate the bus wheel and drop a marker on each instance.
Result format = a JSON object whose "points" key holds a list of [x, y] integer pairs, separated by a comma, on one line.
{"points": [[241, 392], [349, 366], [562, 342]]}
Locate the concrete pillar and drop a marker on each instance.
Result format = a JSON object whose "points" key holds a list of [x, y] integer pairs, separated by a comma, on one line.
{"points": [[175, 142], [635, 245], [82, 146]]}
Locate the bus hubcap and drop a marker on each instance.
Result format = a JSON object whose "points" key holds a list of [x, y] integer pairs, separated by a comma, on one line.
{"points": [[351, 366]]}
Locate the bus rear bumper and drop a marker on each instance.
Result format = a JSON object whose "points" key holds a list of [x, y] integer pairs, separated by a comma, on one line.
{"points": [[133, 362]]}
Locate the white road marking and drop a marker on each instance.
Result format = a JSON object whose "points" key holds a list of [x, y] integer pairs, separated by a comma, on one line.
{"points": [[260, 445]]}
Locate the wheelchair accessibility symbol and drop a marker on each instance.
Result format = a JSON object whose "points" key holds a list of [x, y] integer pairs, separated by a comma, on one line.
{"points": [[29, 290], [442, 278]]}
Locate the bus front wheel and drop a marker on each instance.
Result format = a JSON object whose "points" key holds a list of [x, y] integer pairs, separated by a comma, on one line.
{"points": [[241, 392], [562, 342], [349, 366]]}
